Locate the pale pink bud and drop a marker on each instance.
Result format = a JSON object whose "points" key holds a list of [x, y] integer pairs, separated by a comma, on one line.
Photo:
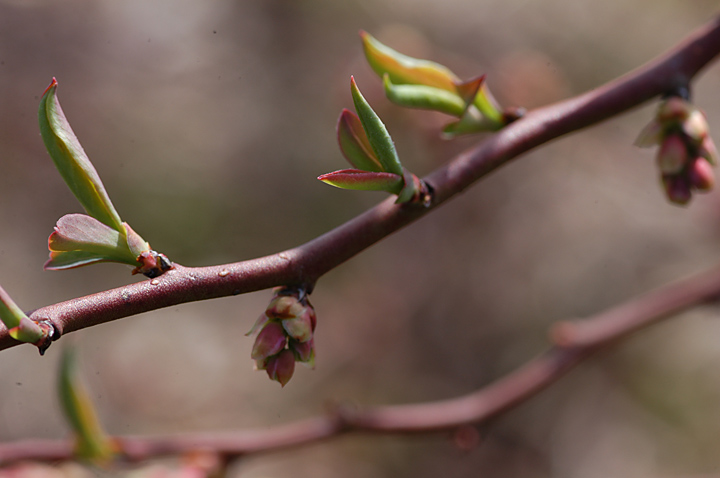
{"points": [[269, 341], [299, 328], [695, 126], [677, 189], [708, 150], [284, 307], [304, 351], [281, 367], [701, 175], [673, 155], [674, 109]]}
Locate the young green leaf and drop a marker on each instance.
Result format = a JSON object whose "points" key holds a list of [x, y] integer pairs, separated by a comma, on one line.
{"points": [[377, 134], [489, 107], [80, 240], [92, 443], [354, 143], [424, 97], [72, 162], [404, 69], [19, 325], [364, 180]]}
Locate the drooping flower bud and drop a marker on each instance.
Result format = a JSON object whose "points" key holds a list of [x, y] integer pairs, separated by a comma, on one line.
{"points": [[677, 189], [701, 175], [285, 334], [686, 153], [270, 341], [281, 367], [673, 155]]}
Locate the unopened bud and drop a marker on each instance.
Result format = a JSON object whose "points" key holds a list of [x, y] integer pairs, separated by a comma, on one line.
{"points": [[695, 126], [284, 307], [285, 334], [304, 351], [299, 328], [674, 109], [701, 175], [269, 341], [673, 155], [677, 189], [281, 367], [708, 150]]}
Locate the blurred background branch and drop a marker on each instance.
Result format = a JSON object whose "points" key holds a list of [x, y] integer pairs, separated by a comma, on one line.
{"points": [[578, 342]]}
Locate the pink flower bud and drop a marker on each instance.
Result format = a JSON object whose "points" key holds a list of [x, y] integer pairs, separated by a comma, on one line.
{"points": [[674, 109], [695, 126], [677, 189], [701, 175], [285, 307], [708, 150], [281, 367], [304, 351], [299, 328], [269, 341], [673, 155]]}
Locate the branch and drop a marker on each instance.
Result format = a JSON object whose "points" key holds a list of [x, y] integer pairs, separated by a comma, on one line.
{"points": [[587, 338], [303, 265]]}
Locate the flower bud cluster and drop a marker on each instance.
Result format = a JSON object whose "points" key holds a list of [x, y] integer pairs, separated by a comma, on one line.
{"points": [[687, 152], [284, 335]]}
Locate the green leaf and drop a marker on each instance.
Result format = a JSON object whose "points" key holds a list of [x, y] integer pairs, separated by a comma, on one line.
{"points": [[19, 325], [80, 240], [377, 134], [92, 443], [471, 122], [72, 162], [403, 69], [489, 107], [364, 180], [410, 189], [354, 143], [424, 97]]}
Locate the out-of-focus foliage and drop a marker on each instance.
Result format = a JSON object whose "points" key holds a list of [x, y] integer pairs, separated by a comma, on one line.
{"points": [[224, 108]]}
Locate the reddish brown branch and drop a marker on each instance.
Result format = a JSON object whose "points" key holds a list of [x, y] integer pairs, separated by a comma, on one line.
{"points": [[444, 415], [306, 263]]}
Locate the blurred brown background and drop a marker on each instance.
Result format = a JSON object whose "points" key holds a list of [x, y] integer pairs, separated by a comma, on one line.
{"points": [[209, 121]]}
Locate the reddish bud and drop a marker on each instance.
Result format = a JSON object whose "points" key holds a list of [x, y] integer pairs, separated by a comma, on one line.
{"points": [[695, 126], [269, 341], [285, 307], [674, 109], [701, 175], [673, 155], [281, 367], [677, 189], [299, 328], [304, 351], [708, 150]]}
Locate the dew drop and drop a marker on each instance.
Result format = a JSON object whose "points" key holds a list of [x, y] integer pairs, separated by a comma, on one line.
{"points": [[224, 273], [154, 282]]}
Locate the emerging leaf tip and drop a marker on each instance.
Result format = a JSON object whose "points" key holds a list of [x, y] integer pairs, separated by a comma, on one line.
{"points": [[52, 84]]}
